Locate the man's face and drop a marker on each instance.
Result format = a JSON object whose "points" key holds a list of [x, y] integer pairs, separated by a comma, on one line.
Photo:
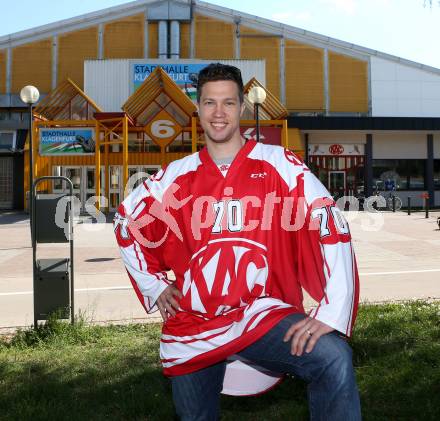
{"points": [[220, 111]]}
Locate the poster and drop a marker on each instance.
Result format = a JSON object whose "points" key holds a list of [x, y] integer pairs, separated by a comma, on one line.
{"points": [[268, 135], [184, 75], [67, 141], [335, 149]]}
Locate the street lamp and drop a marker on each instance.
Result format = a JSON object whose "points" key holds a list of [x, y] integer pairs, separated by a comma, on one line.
{"points": [[257, 95], [30, 95]]}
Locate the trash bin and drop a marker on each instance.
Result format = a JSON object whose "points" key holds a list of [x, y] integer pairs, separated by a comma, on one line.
{"points": [[52, 222], [26, 200], [51, 227], [52, 288]]}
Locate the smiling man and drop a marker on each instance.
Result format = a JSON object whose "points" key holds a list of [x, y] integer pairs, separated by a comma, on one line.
{"points": [[242, 248]]}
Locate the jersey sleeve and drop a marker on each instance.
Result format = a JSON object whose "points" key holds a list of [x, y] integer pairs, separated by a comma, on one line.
{"points": [[327, 267], [141, 240]]}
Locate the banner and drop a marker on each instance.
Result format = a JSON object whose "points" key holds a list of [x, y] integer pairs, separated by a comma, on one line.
{"points": [[67, 141], [268, 135], [184, 75], [335, 149]]}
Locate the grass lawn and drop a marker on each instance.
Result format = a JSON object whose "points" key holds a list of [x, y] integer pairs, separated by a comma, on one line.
{"points": [[84, 372]]}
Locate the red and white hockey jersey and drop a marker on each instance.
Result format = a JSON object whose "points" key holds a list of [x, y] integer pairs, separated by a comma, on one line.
{"points": [[242, 247]]}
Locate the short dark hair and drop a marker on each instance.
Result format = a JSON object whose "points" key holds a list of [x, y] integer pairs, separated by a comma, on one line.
{"points": [[218, 71]]}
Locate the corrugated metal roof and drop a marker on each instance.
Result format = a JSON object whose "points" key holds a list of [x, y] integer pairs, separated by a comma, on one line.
{"points": [[70, 24], [263, 24]]}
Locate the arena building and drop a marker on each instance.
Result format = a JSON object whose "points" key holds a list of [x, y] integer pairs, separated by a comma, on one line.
{"points": [[117, 91]]}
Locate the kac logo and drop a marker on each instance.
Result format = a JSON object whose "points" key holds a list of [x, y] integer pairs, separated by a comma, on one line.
{"points": [[336, 149], [226, 273]]}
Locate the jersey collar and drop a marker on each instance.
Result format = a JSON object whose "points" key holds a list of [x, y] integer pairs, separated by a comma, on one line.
{"points": [[239, 158]]}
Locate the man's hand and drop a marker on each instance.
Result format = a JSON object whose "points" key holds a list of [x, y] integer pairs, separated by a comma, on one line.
{"points": [[167, 302], [306, 331]]}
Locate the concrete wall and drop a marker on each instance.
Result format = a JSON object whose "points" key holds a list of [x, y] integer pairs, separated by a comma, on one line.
{"points": [[109, 82], [437, 146], [333, 136], [399, 145], [106, 82], [398, 90]]}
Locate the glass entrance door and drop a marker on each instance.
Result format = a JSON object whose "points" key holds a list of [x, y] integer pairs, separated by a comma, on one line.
{"points": [[138, 174], [115, 181], [89, 185], [336, 183], [115, 187], [83, 180], [74, 174]]}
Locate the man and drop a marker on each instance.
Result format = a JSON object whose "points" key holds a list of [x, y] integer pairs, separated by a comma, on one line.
{"points": [[243, 226]]}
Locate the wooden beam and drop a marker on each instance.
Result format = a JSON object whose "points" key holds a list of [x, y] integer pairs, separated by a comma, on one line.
{"points": [[97, 165], [124, 153]]}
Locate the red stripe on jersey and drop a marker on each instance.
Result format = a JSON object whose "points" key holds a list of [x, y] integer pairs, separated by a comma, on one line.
{"points": [[355, 300], [140, 203], [168, 360], [138, 258], [249, 323], [230, 348], [327, 268], [188, 341], [138, 291], [316, 311]]}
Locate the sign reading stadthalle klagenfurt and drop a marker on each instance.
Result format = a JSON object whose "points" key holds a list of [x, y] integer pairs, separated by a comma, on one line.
{"points": [[182, 74], [67, 141]]}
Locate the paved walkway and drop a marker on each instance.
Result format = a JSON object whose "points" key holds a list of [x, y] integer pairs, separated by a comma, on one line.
{"points": [[398, 258]]}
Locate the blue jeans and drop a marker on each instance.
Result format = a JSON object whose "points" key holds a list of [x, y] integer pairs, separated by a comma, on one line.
{"points": [[328, 370]]}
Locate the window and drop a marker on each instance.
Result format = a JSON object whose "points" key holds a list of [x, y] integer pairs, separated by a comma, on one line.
{"points": [[57, 183], [352, 166], [16, 116], [182, 143], [399, 174], [7, 141], [141, 142]]}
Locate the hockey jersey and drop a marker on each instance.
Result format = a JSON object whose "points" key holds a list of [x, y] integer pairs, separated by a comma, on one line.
{"points": [[242, 246]]}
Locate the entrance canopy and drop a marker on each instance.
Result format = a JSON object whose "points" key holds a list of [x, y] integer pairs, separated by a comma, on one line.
{"points": [[271, 108], [157, 93], [66, 102]]}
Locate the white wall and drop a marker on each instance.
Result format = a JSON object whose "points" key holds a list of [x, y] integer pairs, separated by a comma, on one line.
{"points": [[437, 146], [399, 145], [335, 136], [109, 84], [106, 82], [399, 90]]}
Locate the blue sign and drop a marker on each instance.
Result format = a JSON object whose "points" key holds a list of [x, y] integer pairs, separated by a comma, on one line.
{"points": [[183, 74], [67, 141]]}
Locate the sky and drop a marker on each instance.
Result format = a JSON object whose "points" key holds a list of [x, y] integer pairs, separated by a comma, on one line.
{"points": [[403, 28]]}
